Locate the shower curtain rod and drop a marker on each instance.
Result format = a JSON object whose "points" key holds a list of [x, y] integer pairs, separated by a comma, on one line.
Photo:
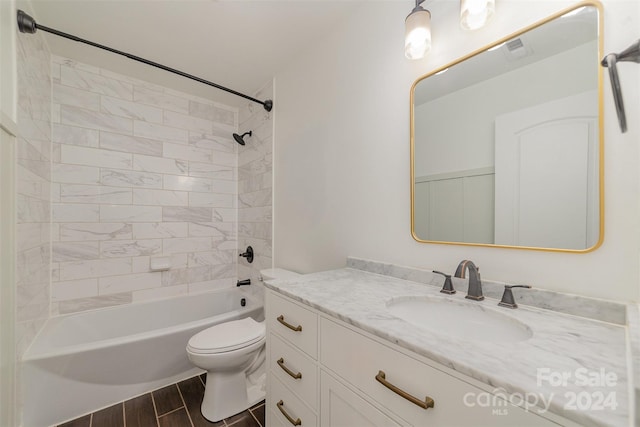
{"points": [[26, 24]]}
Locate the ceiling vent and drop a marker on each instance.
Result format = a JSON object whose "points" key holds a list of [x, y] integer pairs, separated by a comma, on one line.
{"points": [[516, 49]]}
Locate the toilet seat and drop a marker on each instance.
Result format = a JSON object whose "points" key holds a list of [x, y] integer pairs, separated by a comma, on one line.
{"points": [[228, 336]]}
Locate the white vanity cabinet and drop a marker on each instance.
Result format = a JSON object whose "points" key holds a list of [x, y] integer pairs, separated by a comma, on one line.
{"points": [[292, 363], [323, 372]]}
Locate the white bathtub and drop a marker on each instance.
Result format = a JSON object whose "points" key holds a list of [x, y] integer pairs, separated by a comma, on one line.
{"points": [[82, 362]]}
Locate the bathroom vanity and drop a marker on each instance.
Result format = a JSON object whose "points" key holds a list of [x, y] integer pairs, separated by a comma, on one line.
{"points": [[339, 352]]}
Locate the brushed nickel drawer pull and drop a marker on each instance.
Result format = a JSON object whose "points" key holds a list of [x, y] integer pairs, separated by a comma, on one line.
{"points": [[296, 422], [288, 325], [426, 404], [289, 371]]}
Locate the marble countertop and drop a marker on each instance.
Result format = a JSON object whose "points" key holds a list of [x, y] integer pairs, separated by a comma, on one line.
{"points": [[574, 366]]}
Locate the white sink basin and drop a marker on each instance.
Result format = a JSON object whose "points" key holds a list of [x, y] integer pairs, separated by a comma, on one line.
{"points": [[461, 319]]}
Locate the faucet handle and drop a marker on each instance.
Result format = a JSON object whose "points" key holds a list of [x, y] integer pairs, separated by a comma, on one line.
{"points": [[507, 297], [448, 286]]}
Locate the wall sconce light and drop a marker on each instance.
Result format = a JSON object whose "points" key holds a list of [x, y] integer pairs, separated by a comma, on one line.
{"points": [[475, 13], [417, 32]]}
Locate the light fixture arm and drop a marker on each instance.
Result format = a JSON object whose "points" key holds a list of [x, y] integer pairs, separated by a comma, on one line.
{"points": [[26, 24]]}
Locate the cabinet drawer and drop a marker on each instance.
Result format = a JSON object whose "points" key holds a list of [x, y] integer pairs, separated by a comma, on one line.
{"points": [[294, 369], [282, 401], [360, 359], [296, 324], [342, 407]]}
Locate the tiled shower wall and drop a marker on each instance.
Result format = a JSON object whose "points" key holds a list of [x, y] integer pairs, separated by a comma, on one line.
{"points": [[139, 171], [33, 184], [255, 177]]}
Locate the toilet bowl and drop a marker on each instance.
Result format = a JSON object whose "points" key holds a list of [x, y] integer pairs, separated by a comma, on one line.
{"points": [[233, 354]]}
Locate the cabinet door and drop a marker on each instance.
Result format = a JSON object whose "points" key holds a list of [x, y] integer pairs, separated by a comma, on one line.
{"points": [[341, 407]]}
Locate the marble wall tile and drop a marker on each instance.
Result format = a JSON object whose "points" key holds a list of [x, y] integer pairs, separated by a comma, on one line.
{"points": [[160, 99], [211, 258], [208, 170], [161, 197], [223, 243], [160, 230], [89, 81], [262, 230], [131, 110], [184, 121], [157, 293], [160, 132], [175, 277], [78, 193], [32, 235], [172, 182], [227, 229], [73, 289], [115, 213], [93, 120], [225, 215], [126, 178], [71, 154], [254, 189], [211, 285], [75, 251], [75, 97], [213, 142], [130, 144], [94, 268], [186, 245], [258, 198], [139, 171], [30, 209], [66, 173], [188, 214], [65, 212], [95, 231], [224, 187], [71, 135], [130, 248], [178, 151], [212, 200], [222, 157], [92, 303], [160, 164], [259, 214]]}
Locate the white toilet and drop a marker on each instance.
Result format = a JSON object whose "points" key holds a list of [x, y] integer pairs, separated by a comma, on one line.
{"points": [[233, 354]]}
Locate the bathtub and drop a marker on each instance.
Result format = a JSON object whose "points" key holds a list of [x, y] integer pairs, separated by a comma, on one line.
{"points": [[82, 362]]}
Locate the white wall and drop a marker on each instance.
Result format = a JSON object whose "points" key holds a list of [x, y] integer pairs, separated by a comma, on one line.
{"points": [[342, 153]]}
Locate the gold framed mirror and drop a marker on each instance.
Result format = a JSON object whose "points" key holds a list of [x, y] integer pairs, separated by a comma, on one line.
{"points": [[507, 142]]}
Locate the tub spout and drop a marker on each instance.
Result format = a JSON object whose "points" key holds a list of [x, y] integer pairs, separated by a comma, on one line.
{"points": [[244, 282]]}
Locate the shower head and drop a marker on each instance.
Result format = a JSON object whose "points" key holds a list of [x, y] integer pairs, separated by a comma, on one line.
{"points": [[240, 138]]}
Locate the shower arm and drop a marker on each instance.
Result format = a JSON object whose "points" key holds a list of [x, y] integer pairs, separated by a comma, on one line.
{"points": [[26, 24], [631, 54]]}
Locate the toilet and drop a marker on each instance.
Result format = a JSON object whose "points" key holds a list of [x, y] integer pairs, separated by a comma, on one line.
{"points": [[233, 354]]}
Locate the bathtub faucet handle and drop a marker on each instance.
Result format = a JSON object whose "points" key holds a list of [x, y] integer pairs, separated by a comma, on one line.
{"points": [[244, 282], [248, 254]]}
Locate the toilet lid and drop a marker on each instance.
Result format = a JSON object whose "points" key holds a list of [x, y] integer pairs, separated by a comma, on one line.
{"points": [[227, 336]]}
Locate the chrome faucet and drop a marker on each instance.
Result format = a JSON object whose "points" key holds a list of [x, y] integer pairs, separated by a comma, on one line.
{"points": [[475, 285]]}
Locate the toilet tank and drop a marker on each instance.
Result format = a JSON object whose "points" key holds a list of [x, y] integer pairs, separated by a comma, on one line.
{"points": [[277, 273]]}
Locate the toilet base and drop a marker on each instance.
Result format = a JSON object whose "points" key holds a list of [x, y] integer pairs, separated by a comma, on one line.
{"points": [[227, 394]]}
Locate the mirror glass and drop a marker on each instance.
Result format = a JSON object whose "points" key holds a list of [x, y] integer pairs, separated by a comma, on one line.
{"points": [[506, 144]]}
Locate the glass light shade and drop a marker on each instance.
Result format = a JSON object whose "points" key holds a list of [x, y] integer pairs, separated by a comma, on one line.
{"points": [[475, 13], [417, 33]]}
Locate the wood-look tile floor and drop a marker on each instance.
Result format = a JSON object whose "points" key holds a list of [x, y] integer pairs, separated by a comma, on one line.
{"points": [[177, 405]]}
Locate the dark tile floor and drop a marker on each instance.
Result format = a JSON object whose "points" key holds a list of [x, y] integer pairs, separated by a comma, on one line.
{"points": [[177, 405]]}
